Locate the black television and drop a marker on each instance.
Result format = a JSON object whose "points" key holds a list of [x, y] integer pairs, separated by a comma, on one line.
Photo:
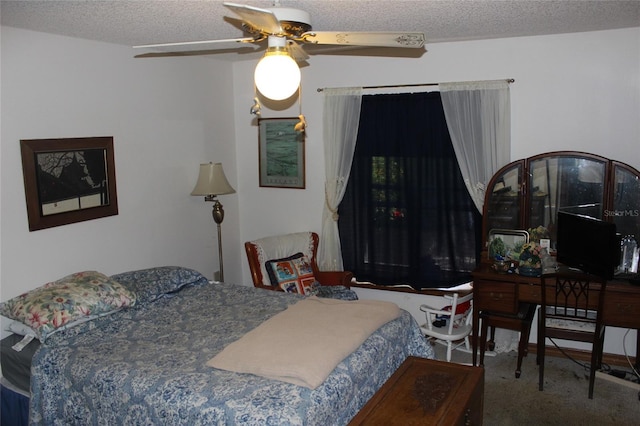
{"points": [[589, 244]]}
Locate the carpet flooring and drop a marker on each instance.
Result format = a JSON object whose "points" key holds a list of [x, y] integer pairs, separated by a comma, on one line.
{"points": [[564, 400]]}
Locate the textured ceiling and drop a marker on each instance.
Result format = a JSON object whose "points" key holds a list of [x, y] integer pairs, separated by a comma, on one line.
{"points": [[143, 22]]}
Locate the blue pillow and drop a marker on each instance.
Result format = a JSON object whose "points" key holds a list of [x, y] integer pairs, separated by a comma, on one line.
{"points": [[153, 283]]}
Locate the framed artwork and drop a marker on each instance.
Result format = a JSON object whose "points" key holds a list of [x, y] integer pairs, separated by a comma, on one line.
{"points": [[506, 242], [281, 153], [68, 180]]}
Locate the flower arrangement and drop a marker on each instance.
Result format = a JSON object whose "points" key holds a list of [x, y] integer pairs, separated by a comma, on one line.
{"points": [[536, 234], [531, 255]]}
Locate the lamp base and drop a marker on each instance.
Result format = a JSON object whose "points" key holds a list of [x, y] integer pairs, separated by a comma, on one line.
{"points": [[218, 216]]}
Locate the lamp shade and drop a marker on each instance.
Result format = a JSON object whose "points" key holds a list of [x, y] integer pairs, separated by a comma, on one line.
{"points": [[277, 76], [212, 181]]}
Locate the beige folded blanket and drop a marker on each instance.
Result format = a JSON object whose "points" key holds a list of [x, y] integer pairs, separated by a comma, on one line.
{"points": [[304, 344]]}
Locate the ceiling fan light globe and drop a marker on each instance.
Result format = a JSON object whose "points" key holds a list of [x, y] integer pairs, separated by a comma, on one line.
{"points": [[277, 76]]}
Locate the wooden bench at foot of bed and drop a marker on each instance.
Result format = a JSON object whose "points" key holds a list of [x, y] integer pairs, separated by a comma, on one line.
{"points": [[427, 392]]}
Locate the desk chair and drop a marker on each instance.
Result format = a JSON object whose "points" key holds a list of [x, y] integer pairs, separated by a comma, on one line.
{"points": [[454, 322], [521, 321], [571, 309]]}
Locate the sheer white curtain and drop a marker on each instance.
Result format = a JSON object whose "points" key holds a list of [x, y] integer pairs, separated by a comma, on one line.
{"points": [[341, 117], [478, 116]]}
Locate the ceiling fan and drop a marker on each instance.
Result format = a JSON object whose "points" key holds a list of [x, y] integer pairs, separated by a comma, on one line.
{"points": [[285, 30]]}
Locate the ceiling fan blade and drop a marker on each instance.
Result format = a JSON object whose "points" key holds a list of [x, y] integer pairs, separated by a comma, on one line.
{"points": [[193, 43], [198, 52], [380, 39], [296, 52], [263, 20]]}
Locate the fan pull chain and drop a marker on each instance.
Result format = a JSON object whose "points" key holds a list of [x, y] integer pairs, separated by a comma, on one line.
{"points": [[301, 126], [256, 108]]}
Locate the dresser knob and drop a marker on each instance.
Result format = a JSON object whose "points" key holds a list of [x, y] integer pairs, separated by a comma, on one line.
{"points": [[467, 417]]}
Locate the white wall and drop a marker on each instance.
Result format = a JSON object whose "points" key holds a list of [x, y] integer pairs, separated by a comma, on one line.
{"points": [[167, 115], [571, 92]]}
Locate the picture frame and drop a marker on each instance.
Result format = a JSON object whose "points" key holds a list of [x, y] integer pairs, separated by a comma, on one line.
{"points": [[68, 180], [506, 242], [281, 153]]}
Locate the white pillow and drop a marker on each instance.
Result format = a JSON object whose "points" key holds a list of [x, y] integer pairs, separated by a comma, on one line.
{"points": [[21, 329]]}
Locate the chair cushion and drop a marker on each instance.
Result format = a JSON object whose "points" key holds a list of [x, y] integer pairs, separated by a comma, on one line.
{"points": [[460, 309], [281, 246], [588, 327], [292, 274], [585, 321]]}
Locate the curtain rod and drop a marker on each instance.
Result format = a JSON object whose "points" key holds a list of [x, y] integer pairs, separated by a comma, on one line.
{"points": [[508, 80]]}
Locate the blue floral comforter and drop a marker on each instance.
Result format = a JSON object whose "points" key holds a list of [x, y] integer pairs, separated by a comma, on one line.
{"points": [[146, 366]]}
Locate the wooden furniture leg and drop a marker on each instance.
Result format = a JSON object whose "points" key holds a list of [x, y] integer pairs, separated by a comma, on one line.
{"points": [[520, 322]]}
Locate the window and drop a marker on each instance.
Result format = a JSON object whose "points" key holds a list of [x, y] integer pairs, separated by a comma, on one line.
{"points": [[406, 217]]}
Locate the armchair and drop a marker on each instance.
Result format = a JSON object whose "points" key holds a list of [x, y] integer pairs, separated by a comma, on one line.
{"points": [[261, 251]]}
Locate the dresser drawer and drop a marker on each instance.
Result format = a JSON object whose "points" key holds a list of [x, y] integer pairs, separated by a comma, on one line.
{"points": [[621, 308], [530, 293], [495, 296]]}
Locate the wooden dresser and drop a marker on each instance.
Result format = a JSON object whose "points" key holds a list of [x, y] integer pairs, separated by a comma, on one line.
{"points": [[427, 392]]}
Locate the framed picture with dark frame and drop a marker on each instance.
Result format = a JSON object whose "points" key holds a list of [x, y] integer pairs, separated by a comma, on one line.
{"points": [[281, 153], [68, 180]]}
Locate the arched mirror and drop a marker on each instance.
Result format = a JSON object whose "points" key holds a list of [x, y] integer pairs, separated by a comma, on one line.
{"points": [[564, 182], [502, 211], [626, 195], [527, 194]]}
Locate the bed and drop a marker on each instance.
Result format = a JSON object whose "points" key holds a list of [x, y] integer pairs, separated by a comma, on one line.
{"points": [[146, 363], [14, 385]]}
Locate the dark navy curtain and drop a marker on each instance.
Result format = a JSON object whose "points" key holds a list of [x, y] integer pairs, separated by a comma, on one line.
{"points": [[406, 217]]}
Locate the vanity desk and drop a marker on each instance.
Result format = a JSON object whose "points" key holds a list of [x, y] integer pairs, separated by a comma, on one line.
{"points": [[526, 195], [498, 292]]}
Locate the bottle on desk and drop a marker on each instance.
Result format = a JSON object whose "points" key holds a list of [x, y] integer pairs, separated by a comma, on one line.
{"points": [[628, 255]]}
